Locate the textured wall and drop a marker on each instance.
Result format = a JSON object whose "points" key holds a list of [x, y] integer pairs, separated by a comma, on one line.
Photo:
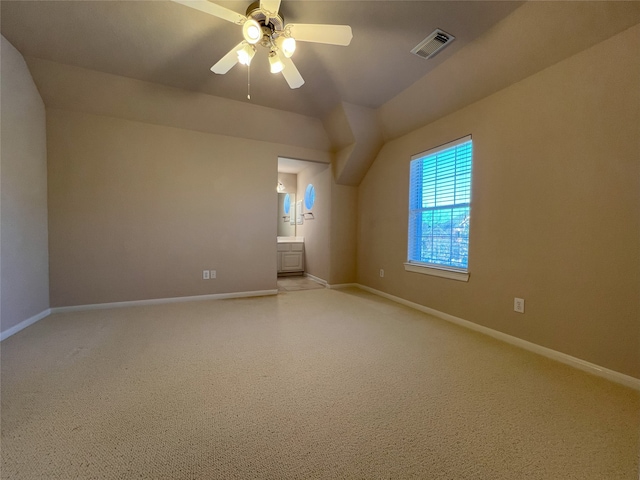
{"points": [[556, 196], [24, 255], [137, 211]]}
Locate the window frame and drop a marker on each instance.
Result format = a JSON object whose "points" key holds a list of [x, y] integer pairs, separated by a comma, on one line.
{"points": [[434, 269]]}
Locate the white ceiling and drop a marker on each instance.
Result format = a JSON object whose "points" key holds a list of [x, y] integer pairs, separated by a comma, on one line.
{"points": [[168, 43]]}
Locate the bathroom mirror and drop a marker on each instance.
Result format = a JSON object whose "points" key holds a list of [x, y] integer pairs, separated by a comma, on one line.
{"points": [[286, 215]]}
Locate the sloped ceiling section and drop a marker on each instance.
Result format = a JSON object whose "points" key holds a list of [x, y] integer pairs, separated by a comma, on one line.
{"points": [[512, 50], [170, 44], [534, 37], [74, 88], [357, 137]]}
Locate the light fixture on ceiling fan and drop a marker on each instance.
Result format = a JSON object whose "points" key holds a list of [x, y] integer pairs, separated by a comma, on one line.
{"points": [[263, 25]]}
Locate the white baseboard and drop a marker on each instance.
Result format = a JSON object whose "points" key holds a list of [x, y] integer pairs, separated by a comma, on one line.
{"points": [[583, 365], [317, 279], [342, 285], [326, 284], [24, 324], [158, 301]]}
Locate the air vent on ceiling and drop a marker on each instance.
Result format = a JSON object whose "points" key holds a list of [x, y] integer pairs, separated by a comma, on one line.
{"points": [[431, 45]]}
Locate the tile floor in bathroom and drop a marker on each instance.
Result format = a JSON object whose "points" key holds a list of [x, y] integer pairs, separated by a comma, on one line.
{"points": [[296, 283]]}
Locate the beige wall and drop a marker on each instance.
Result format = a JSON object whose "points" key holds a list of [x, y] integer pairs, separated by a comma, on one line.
{"points": [[344, 231], [330, 237], [316, 231], [556, 196], [24, 290], [137, 211]]}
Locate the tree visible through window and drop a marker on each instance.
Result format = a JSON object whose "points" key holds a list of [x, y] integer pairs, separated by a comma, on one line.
{"points": [[439, 206]]}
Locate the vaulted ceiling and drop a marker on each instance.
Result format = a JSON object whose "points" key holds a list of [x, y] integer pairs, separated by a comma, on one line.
{"points": [[158, 41], [170, 44]]}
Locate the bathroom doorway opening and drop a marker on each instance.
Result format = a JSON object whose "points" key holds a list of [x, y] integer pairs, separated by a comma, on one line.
{"points": [[297, 242]]}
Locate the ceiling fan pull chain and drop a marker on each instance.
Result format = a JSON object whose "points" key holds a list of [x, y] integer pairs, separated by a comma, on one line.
{"points": [[249, 81]]}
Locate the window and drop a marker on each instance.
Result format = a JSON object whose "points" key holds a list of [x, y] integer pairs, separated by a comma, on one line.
{"points": [[439, 208]]}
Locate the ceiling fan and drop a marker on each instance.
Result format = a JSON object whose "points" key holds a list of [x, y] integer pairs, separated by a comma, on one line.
{"points": [[263, 25]]}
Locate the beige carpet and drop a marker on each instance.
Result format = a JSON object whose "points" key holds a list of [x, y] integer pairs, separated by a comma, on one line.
{"points": [[309, 384]]}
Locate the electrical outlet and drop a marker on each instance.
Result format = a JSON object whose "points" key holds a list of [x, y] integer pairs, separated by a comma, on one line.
{"points": [[213, 274], [205, 274], [382, 272], [518, 305]]}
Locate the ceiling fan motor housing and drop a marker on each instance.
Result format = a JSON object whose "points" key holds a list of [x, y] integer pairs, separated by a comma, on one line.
{"points": [[274, 24]]}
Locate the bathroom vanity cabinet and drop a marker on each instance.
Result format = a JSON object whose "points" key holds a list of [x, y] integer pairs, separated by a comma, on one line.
{"points": [[290, 255]]}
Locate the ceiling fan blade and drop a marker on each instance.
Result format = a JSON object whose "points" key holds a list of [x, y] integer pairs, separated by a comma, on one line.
{"points": [[291, 73], [214, 9], [227, 62], [270, 6], [331, 34]]}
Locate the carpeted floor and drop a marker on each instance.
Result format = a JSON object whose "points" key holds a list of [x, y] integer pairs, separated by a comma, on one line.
{"points": [[308, 384]]}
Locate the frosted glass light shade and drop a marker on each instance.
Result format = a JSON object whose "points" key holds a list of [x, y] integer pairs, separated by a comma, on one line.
{"points": [[246, 53], [286, 45], [276, 64], [252, 31]]}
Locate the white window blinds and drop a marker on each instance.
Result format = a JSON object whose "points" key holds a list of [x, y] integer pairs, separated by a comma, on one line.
{"points": [[439, 205]]}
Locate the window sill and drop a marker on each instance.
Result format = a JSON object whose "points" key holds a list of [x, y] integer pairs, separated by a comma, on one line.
{"points": [[437, 272]]}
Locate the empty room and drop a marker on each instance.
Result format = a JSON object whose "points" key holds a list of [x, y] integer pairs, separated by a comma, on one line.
{"points": [[320, 239]]}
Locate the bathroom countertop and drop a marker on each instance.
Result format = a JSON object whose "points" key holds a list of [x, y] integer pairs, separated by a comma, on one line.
{"points": [[290, 239]]}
